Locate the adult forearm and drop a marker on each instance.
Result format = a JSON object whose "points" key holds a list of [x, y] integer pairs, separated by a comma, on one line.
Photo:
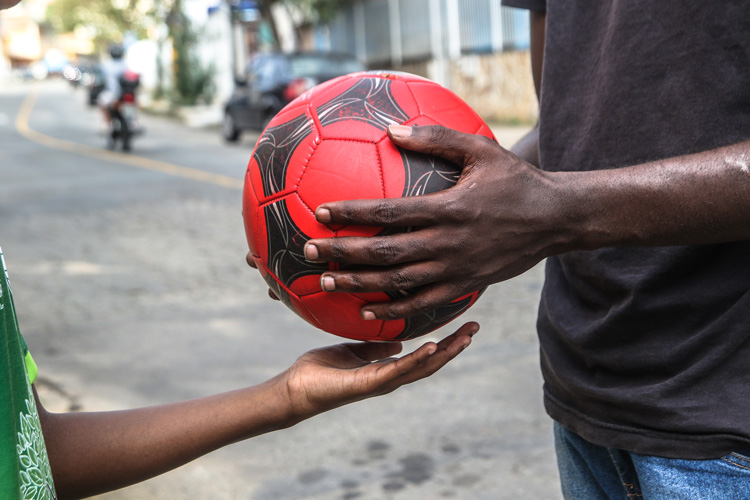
{"points": [[503, 216], [694, 199], [96, 452]]}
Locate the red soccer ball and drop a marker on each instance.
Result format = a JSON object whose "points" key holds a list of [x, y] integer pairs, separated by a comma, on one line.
{"points": [[331, 144]]}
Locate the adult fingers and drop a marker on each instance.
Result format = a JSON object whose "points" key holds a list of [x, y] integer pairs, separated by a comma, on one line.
{"points": [[376, 251], [460, 148], [465, 150], [426, 299], [389, 279], [436, 140], [388, 212]]}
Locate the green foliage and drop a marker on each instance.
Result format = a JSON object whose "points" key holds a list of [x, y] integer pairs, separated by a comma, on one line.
{"points": [[106, 20], [313, 11], [320, 11], [194, 82]]}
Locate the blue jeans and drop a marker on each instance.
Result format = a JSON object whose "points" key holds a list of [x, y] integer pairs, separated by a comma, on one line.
{"points": [[592, 472]]}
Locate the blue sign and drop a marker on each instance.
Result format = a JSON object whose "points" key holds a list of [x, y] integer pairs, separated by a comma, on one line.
{"points": [[246, 10]]}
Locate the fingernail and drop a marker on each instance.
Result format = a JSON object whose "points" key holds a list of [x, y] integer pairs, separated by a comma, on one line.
{"points": [[368, 315], [311, 252], [400, 130], [323, 215], [327, 283]]}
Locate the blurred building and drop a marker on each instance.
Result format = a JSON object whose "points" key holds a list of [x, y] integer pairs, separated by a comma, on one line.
{"points": [[20, 40], [477, 48]]}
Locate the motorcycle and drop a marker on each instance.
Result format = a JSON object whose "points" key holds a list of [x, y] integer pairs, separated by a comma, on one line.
{"points": [[124, 112]]}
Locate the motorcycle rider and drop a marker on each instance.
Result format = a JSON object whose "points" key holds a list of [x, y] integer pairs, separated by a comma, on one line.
{"points": [[117, 100], [112, 70]]}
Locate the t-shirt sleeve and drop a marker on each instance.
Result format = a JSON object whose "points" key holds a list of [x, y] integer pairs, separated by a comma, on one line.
{"points": [[9, 326], [535, 5]]}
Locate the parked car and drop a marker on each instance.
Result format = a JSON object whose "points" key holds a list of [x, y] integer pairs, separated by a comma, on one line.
{"points": [[274, 80]]}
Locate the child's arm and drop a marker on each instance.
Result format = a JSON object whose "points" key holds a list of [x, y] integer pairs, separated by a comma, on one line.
{"points": [[92, 453]]}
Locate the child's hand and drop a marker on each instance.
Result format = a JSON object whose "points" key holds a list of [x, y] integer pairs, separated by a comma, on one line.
{"points": [[94, 452], [325, 378]]}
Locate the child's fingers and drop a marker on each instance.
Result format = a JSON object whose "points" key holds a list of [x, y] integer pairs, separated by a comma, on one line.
{"points": [[430, 357]]}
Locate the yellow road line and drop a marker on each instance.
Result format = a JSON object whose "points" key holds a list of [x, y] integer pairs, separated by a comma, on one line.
{"points": [[22, 126]]}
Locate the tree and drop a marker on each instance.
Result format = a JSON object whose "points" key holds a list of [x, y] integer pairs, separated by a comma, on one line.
{"points": [[193, 81], [309, 12], [319, 11], [105, 20]]}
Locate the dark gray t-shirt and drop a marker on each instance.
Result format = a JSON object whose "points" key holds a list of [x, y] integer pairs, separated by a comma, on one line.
{"points": [[646, 349]]}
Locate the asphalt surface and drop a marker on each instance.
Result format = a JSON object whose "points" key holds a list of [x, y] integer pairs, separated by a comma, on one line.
{"points": [[131, 289]]}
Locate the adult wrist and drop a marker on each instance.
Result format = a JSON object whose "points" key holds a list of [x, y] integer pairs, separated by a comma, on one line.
{"points": [[577, 219]]}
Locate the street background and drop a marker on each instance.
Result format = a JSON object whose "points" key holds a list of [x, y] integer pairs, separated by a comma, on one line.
{"points": [[131, 289]]}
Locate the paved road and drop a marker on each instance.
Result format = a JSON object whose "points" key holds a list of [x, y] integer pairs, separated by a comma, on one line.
{"points": [[131, 289]]}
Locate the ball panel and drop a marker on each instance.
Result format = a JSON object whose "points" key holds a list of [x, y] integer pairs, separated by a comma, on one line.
{"points": [[284, 255], [250, 214], [339, 168], [392, 329], [434, 98], [281, 243], [307, 96], [373, 101], [339, 314], [394, 179], [326, 91], [427, 174], [291, 110], [281, 155], [288, 298], [480, 128], [304, 217], [417, 326], [463, 122], [399, 76], [421, 174], [422, 324], [445, 107], [306, 285]]}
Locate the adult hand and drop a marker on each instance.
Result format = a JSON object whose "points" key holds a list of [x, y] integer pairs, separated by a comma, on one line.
{"points": [[329, 377], [499, 220]]}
